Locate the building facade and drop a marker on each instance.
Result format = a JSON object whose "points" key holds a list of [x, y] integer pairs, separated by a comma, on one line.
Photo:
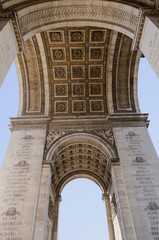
{"points": [[79, 116]]}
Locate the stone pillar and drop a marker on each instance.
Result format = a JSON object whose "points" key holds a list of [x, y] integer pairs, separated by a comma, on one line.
{"points": [[20, 179], [8, 48], [109, 218], [120, 210], [139, 165], [43, 203], [55, 217], [149, 44]]}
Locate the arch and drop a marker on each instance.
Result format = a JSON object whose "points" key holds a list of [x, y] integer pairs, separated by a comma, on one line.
{"points": [[41, 17], [81, 154], [105, 145], [82, 174]]}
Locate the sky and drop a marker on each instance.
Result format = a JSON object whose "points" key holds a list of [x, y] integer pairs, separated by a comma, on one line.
{"points": [[82, 212]]}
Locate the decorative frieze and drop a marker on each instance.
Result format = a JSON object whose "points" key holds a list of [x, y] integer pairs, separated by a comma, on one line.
{"points": [[115, 16]]}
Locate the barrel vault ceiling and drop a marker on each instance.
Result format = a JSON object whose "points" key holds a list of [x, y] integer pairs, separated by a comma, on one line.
{"points": [[78, 72]]}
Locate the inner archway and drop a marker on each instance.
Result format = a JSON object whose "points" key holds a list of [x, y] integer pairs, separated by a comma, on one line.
{"points": [[82, 212]]}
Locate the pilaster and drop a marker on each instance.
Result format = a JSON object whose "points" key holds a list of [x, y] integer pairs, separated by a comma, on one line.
{"points": [[20, 179], [149, 41], [8, 47], [139, 167], [43, 204]]}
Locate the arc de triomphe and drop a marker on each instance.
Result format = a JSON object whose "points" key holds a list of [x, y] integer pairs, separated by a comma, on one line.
{"points": [[77, 64]]}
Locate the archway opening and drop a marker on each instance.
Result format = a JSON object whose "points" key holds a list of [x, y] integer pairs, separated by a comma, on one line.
{"points": [[82, 212]]}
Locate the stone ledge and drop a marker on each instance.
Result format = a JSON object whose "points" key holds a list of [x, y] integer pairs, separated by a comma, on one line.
{"points": [[21, 123], [137, 119]]}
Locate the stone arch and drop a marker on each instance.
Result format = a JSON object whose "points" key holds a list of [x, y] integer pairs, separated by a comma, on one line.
{"points": [[81, 154], [41, 17], [77, 175]]}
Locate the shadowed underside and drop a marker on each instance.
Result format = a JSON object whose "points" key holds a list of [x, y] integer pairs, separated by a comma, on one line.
{"points": [[79, 72]]}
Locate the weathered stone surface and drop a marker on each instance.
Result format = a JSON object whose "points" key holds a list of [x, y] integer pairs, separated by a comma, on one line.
{"points": [[20, 179], [8, 48], [149, 42], [80, 69], [139, 164]]}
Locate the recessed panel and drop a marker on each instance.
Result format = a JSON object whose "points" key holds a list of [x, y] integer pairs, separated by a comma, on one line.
{"points": [[78, 89], [61, 90], [95, 71], [79, 106], [60, 72], [97, 36], [96, 53], [77, 72], [95, 89], [96, 106], [76, 36], [58, 54], [77, 54], [56, 37], [61, 107]]}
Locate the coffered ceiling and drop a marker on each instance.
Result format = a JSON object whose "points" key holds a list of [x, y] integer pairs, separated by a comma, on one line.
{"points": [[77, 66], [84, 72]]}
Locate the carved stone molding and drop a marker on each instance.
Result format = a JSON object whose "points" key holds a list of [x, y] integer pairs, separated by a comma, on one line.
{"points": [[123, 75], [139, 27], [116, 16], [13, 17], [50, 209], [33, 78]]}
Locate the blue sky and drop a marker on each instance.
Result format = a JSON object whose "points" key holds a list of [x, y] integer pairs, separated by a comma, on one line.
{"points": [[82, 198]]}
